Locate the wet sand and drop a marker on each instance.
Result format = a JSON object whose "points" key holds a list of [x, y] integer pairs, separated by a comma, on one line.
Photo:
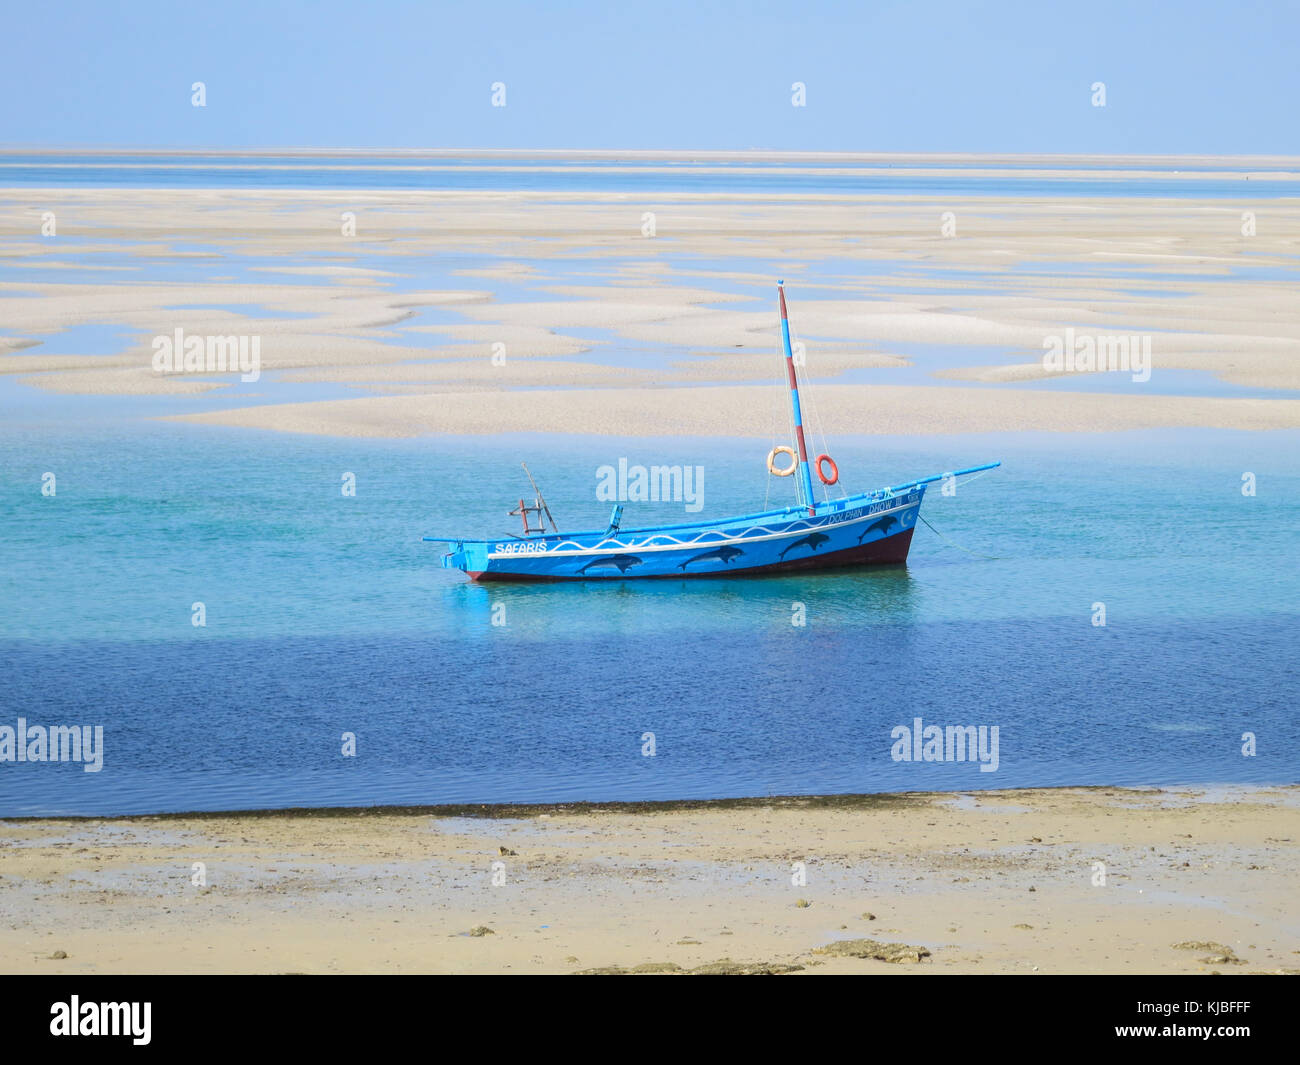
{"points": [[562, 305], [995, 882]]}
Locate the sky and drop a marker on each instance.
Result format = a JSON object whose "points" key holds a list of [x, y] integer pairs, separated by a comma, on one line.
{"points": [[924, 76]]}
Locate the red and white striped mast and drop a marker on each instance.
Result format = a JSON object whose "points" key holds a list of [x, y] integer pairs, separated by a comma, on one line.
{"points": [[805, 474]]}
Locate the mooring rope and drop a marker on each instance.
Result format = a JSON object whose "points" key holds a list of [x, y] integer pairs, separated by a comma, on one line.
{"points": [[950, 543]]}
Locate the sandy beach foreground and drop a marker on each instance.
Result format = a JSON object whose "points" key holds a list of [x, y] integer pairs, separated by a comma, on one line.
{"points": [[1037, 881]]}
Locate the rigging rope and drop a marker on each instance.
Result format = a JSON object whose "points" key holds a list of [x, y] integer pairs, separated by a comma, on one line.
{"points": [[793, 439], [975, 476], [816, 429], [767, 481]]}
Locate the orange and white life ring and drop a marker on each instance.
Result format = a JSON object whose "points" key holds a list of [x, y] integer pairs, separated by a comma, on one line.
{"points": [[776, 470], [835, 470]]}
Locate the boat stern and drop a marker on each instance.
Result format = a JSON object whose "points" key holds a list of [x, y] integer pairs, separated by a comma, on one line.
{"points": [[470, 557]]}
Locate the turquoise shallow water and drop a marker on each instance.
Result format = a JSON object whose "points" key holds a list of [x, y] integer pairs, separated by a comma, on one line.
{"points": [[326, 614]]}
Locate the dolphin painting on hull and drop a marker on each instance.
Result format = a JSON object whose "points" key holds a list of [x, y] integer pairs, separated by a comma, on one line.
{"points": [[812, 541], [623, 562], [883, 525], [720, 554]]}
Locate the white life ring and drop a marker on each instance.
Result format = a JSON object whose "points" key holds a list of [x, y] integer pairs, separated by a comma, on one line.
{"points": [[777, 471]]}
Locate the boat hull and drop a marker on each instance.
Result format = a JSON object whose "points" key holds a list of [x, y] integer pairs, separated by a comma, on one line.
{"points": [[891, 551], [860, 531]]}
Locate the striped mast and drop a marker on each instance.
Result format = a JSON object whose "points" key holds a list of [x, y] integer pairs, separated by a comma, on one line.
{"points": [[805, 475]]}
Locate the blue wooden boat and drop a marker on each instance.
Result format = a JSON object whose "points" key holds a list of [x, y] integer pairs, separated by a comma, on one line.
{"points": [[867, 529]]}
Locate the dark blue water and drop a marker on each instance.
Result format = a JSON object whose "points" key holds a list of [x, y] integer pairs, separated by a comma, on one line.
{"points": [[326, 614], [645, 176], [479, 717]]}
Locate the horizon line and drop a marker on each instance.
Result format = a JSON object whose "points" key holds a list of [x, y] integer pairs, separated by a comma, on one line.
{"points": [[673, 153]]}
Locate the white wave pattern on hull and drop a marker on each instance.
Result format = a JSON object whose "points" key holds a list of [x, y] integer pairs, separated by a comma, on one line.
{"points": [[852, 536]]}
